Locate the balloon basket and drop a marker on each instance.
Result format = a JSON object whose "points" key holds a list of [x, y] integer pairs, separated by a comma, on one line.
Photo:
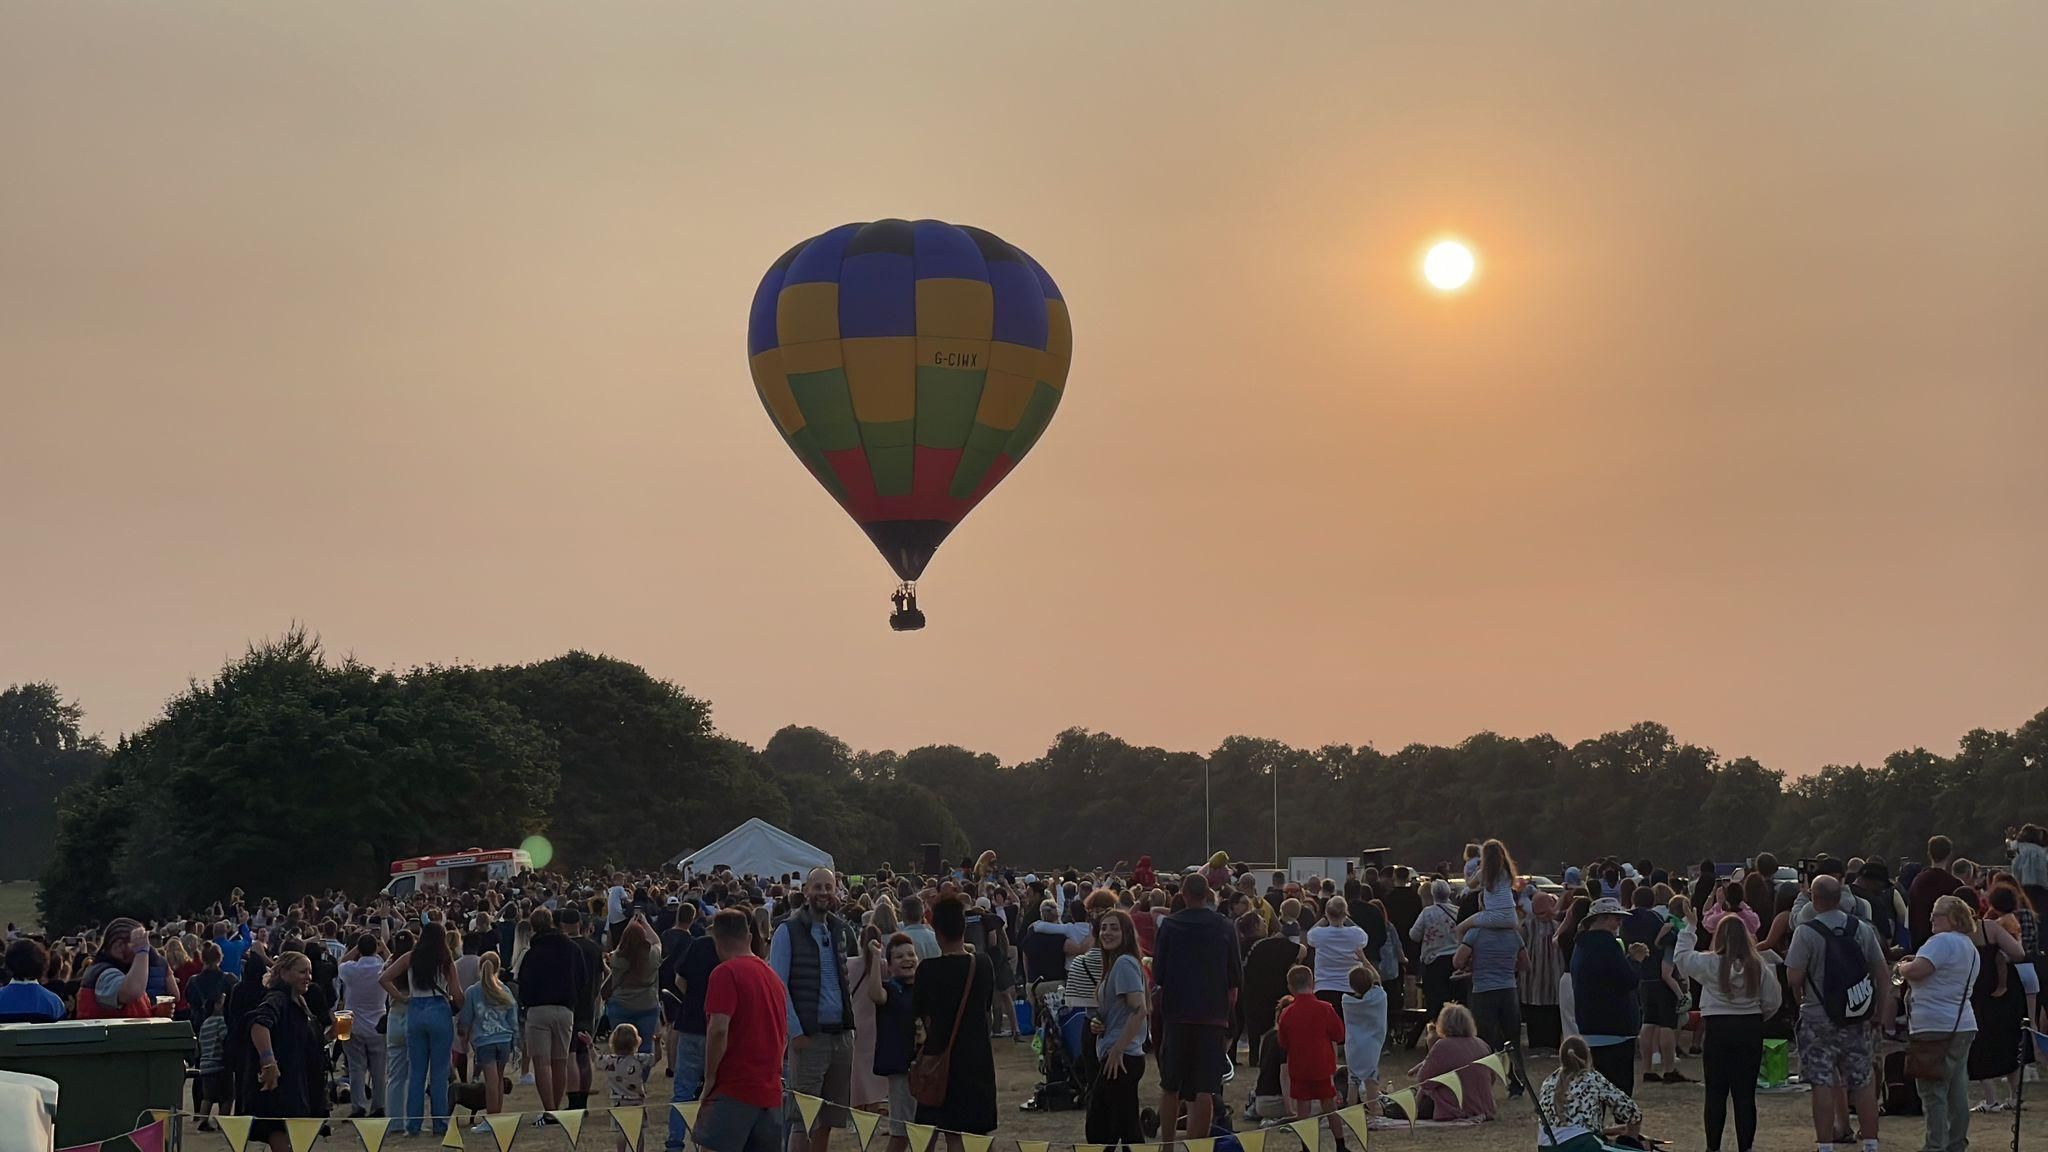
{"points": [[906, 618]]}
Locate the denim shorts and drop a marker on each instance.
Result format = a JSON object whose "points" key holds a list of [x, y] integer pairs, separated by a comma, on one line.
{"points": [[499, 1053]]}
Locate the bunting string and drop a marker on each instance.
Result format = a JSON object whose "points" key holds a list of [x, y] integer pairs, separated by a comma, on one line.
{"points": [[631, 1124]]}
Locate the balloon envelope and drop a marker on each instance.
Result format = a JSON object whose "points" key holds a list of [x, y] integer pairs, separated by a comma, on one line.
{"points": [[910, 366]]}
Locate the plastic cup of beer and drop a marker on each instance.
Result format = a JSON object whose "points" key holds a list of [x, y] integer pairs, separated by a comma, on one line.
{"points": [[344, 1024]]}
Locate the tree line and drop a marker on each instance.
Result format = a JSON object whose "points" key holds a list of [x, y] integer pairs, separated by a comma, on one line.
{"points": [[289, 772]]}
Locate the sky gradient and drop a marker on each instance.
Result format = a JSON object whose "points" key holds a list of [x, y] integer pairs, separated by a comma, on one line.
{"points": [[425, 326]]}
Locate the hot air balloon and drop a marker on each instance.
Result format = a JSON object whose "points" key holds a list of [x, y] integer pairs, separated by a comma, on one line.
{"points": [[910, 365]]}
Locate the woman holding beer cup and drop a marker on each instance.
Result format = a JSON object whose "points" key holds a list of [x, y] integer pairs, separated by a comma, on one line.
{"points": [[285, 1058]]}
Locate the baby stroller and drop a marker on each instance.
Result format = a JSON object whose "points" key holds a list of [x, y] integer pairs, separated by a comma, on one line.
{"points": [[1060, 1036]]}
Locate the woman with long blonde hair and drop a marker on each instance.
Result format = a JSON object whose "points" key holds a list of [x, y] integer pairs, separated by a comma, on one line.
{"points": [[1738, 992], [490, 1019]]}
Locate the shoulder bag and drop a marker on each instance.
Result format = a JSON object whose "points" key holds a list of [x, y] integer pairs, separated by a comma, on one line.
{"points": [[1927, 1054], [931, 1070]]}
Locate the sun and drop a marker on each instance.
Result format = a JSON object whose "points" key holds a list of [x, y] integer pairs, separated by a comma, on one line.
{"points": [[1448, 266]]}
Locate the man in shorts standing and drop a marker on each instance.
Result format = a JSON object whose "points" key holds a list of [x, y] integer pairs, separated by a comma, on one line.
{"points": [[745, 1035], [1835, 1055], [1196, 967], [809, 954], [552, 978]]}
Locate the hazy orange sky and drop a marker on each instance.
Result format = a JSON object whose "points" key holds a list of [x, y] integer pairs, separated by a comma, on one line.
{"points": [[425, 325]]}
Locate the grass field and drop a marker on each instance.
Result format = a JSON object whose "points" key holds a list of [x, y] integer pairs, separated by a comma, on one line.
{"points": [[18, 904]]}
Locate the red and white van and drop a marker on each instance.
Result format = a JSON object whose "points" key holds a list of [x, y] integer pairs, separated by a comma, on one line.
{"points": [[470, 868]]}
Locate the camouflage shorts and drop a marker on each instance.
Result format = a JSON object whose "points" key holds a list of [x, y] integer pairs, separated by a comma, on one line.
{"points": [[1833, 1055]]}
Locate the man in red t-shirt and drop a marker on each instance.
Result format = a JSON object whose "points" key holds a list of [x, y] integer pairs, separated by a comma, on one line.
{"points": [[746, 1007]]}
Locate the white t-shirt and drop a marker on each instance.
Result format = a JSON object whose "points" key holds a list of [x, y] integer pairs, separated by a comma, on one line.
{"points": [[1070, 931], [360, 991], [1336, 948], [615, 898], [1936, 999]]}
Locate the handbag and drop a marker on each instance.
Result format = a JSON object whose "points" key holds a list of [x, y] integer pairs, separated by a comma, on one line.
{"points": [[930, 1071], [1927, 1055]]}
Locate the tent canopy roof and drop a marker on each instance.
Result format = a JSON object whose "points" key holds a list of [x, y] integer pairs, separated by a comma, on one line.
{"points": [[755, 847]]}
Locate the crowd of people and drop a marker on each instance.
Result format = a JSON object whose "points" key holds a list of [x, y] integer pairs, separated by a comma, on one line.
{"points": [[886, 993]]}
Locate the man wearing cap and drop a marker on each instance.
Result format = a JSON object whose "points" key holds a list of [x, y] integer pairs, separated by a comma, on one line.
{"points": [[1604, 980]]}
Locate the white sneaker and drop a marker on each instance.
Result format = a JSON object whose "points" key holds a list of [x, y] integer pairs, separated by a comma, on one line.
{"points": [[526, 1079]]}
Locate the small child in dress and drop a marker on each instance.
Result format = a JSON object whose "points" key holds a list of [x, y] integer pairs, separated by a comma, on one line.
{"points": [[1310, 1031], [626, 1069]]}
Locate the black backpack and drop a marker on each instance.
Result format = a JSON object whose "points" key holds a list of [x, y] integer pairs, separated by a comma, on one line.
{"points": [[1847, 993]]}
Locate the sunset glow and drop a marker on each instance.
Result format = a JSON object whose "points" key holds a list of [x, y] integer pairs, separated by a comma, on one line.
{"points": [[1449, 266]]}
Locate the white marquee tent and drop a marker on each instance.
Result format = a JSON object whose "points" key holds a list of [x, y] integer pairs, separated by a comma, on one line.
{"points": [[756, 847]]}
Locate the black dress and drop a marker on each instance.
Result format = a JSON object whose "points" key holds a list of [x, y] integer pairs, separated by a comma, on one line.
{"points": [[1995, 1050], [295, 1039], [971, 1080]]}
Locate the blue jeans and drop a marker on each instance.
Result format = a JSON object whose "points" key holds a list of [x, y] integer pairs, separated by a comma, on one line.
{"points": [[643, 1022], [397, 1063], [689, 1082], [429, 1034]]}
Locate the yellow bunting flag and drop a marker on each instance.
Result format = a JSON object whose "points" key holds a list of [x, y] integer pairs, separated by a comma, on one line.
{"points": [[1452, 1081], [1089, 1147], [236, 1129], [451, 1136], [1497, 1064], [688, 1110], [302, 1131], [864, 1125], [632, 1124], [571, 1120], [1405, 1101], [1033, 1145], [159, 1115], [1354, 1119], [1253, 1139], [370, 1130], [1306, 1129], [1202, 1144], [921, 1136], [504, 1126], [974, 1143], [807, 1107]]}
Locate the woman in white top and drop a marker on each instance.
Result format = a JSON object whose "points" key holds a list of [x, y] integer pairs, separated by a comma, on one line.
{"points": [[1941, 976], [1340, 947], [1738, 992]]}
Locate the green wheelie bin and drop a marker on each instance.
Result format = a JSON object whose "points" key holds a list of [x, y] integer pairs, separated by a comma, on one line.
{"points": [[108, 1072]]}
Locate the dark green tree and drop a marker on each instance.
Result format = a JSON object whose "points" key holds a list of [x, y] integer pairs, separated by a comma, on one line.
{"points": [[42, 753]]}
